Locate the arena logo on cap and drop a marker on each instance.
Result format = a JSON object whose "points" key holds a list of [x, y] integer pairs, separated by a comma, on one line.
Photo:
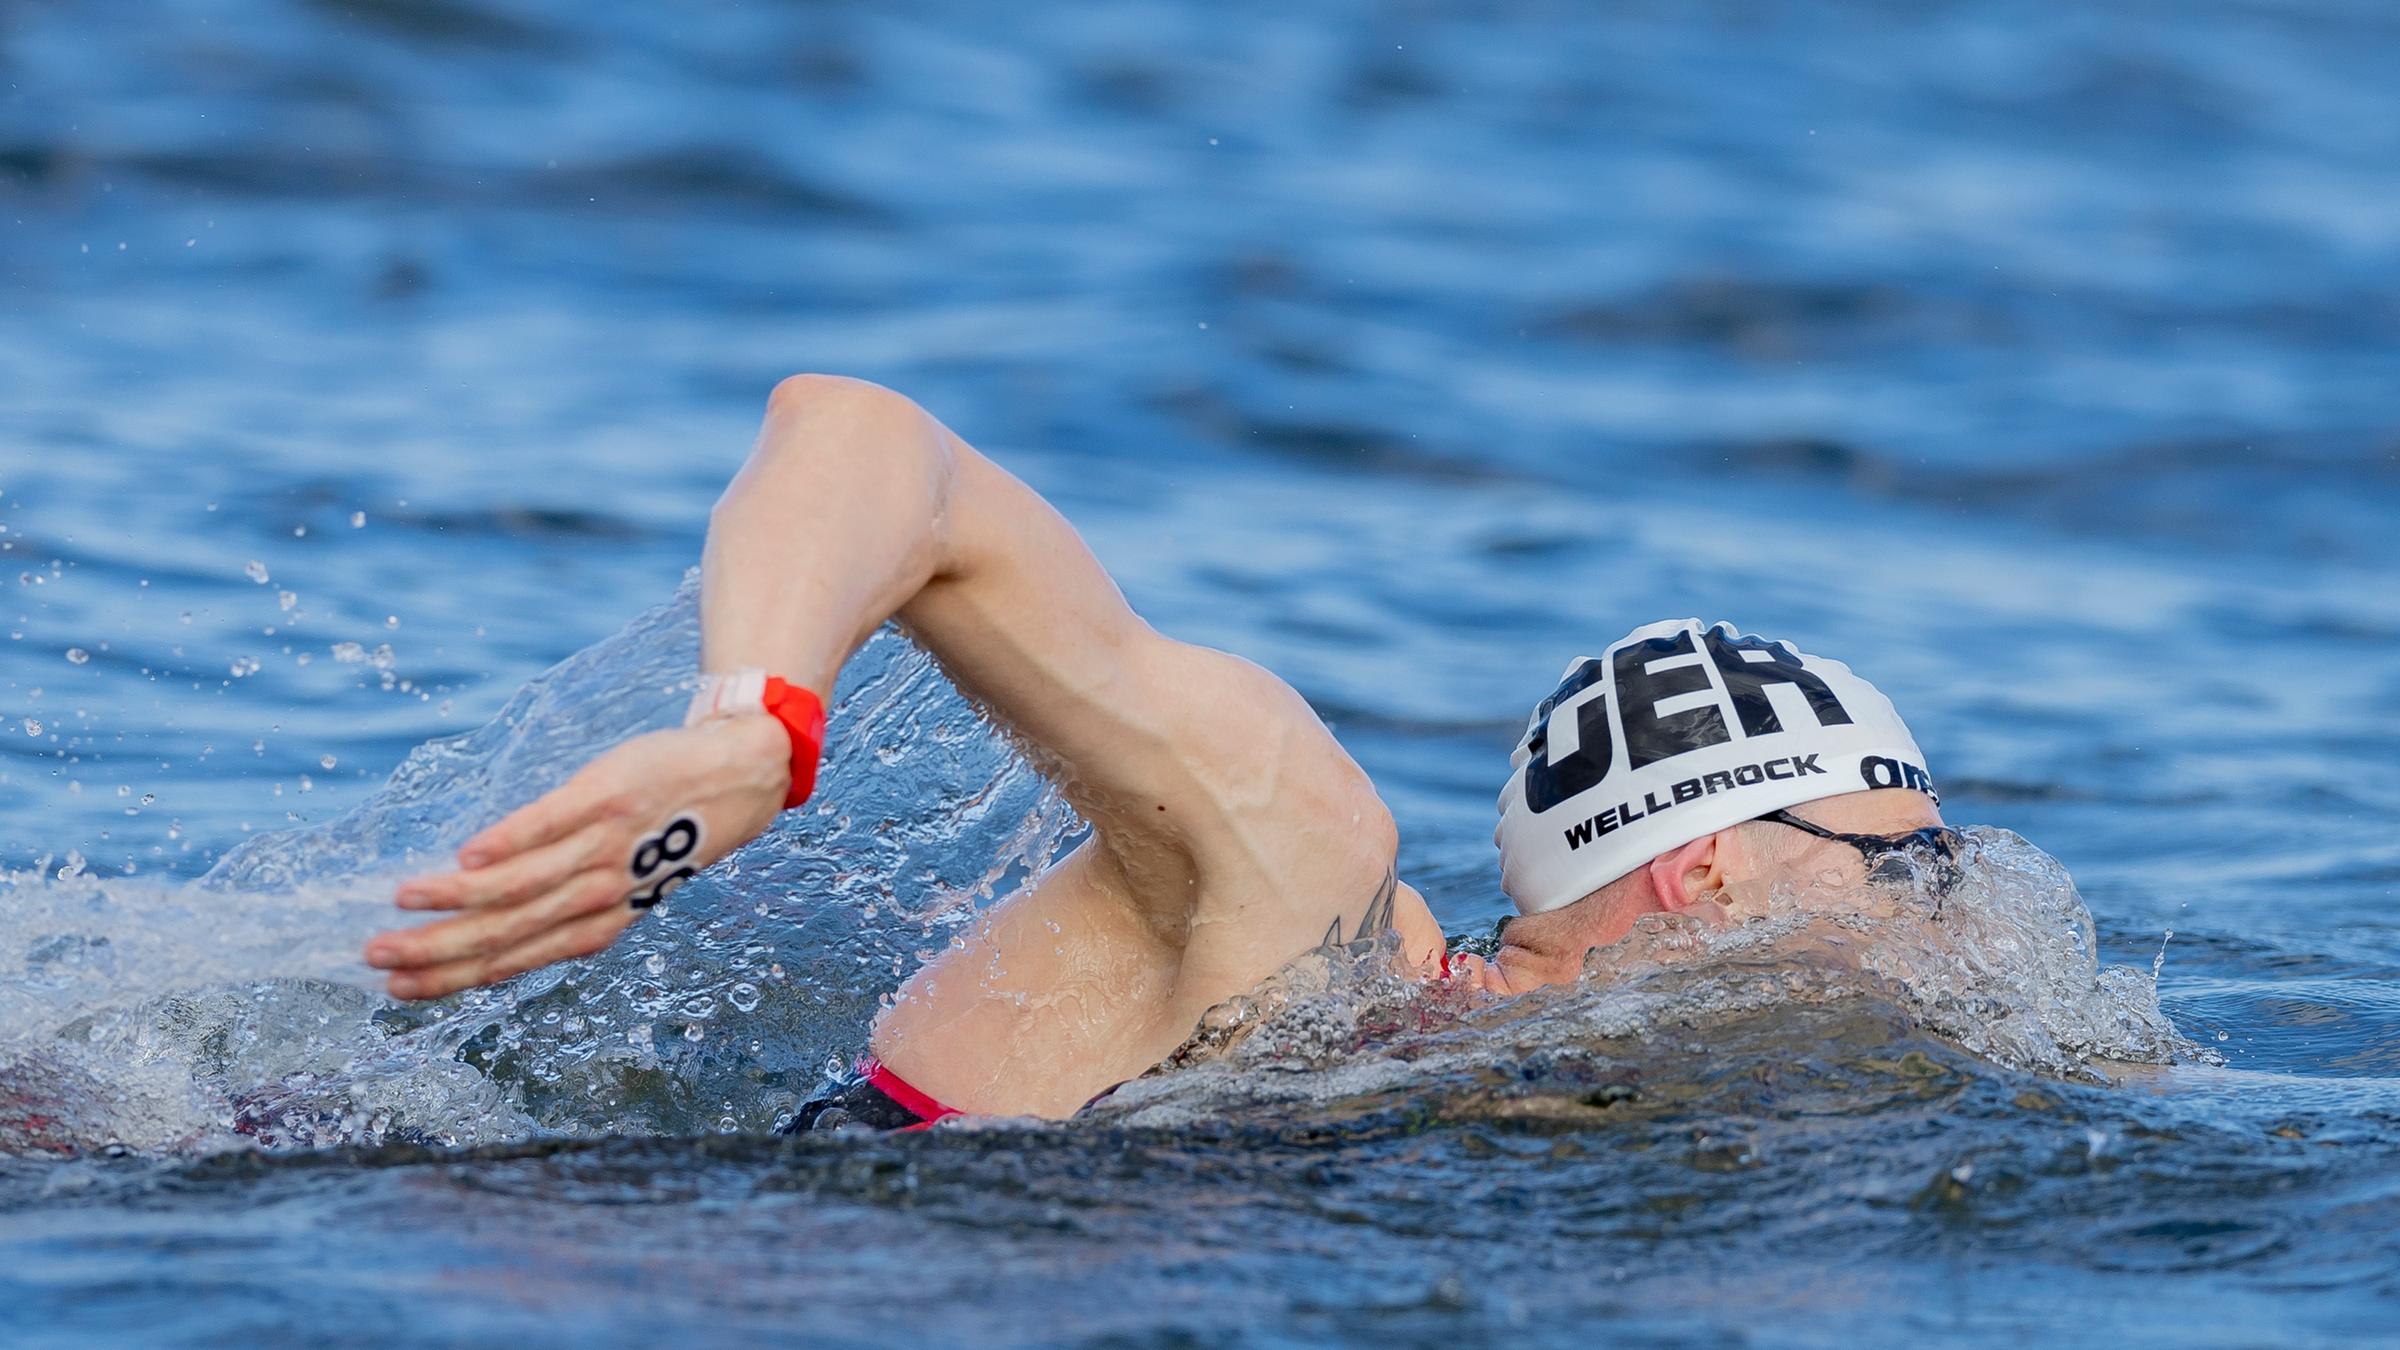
{"points": [[1883, 771], [1669, 705]]}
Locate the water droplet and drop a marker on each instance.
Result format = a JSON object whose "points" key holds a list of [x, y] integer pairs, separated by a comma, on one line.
{"points": [[358, 520], [76, 656], [743, 997], [256, 571], [244, 666], [284, 600], [325, 762], [33, 727], [149, 797], [655, 964]]}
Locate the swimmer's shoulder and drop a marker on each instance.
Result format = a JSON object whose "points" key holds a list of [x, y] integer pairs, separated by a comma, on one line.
{"points": [[1422, 941], [1247, 777]]}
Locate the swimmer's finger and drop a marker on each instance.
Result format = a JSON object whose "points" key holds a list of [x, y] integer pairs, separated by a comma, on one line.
{"points": [[509, 881], [1473, 972], [485, 931], [575, 803], [577, 937]]}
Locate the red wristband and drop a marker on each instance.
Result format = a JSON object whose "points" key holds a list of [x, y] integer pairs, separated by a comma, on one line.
{"points": [[795, 706], [803, 718]]}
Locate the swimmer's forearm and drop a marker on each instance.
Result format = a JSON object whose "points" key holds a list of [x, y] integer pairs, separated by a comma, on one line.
{"points": [[832, 526], [858, 507]]}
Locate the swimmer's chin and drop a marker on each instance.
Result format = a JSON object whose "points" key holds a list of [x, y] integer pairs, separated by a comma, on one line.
{"points": [[1504, 976]]}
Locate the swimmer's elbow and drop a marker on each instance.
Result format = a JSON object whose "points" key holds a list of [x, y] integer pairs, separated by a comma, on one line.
{"points": [[861, 430], [835, 414], [814, 395]]}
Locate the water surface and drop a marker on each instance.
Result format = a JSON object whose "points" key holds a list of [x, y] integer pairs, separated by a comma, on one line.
{"points": [[363, 361]]}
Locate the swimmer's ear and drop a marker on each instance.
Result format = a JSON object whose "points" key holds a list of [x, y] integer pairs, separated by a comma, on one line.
{"points": [[1679, 877]]}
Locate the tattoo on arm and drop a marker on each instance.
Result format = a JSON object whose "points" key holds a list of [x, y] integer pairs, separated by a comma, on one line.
{"points": [[659, 857], [1378, 918]]}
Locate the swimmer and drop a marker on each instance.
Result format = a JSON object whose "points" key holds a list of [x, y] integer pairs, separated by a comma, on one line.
{"points": [[1231, 833]]}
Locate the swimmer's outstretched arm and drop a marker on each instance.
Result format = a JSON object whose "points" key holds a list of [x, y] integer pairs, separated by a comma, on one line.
{"points": [[1231, 830]]}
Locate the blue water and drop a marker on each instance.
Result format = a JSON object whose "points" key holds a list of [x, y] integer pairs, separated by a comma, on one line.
{"points": [[361, 361]]}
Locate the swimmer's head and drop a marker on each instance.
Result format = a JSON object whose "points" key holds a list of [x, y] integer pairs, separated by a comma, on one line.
{"points": [[1840, 842], [1657, 760]]}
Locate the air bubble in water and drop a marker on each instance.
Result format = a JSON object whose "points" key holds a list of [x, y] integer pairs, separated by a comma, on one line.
{"points": [[76, 656], [358, 520], [33, 727], [325, 762], [256, 571], [285, 600]]}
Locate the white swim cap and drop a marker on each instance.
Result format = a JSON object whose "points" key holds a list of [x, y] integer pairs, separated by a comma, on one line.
{"points": [[1706, 728]]}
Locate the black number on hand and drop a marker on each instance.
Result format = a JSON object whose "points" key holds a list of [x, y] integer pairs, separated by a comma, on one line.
{"points": [[678, 841], [644, 899]]}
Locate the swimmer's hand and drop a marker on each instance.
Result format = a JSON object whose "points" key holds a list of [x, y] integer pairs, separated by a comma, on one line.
{"points": [[561, 877]]}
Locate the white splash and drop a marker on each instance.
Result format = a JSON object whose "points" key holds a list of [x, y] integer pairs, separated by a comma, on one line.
{"points": [[235, 1011]]}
